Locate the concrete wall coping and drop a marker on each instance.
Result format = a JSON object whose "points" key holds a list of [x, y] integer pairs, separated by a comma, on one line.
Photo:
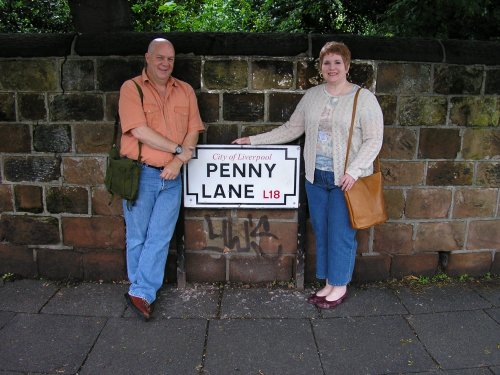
{"points": [[451, 51]]}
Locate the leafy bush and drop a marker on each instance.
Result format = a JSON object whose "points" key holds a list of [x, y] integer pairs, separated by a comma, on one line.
{"points": [[40, 16]]}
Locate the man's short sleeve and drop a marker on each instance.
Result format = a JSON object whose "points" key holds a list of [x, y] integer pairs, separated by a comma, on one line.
{"points": [[130, 107]]}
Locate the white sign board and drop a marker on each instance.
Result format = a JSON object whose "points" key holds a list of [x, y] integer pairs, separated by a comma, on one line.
{"points": [[243, 176]]}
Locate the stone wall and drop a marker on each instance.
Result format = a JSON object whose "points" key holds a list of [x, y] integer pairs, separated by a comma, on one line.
{"points": [[440, 159]]}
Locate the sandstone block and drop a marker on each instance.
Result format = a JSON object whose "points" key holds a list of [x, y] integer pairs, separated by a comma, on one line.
{"points": [[67, 199], [371, 268], [272, 75], [221, 134], [249, 130], [205, 267], [388, 103], [76, 107], [32, 168], [474, 203], [78, 75], [97, 232], [399, 143], [475, 111], [443, 173], [398, 78], [93, 138], [423, 264], [30, 230], [281, 106], [18, 260], [481, 144], [362, 74], [104, 265], [31, 106], [7, 107], [198, 236], [457, 79], [488, 174], [422, 110], [225, 74], [250, 269], [16, 138], [440, 236], [307, 74], [28, 198], [111, 108], [392, 238], [52, 138], [209, 106], [6, 198], [484, 235], [29, 75], [492, 83], [101, 200], [439, 143], [243, 107], [84, 170], [60, 264], [394, 203], [403, 173], [472, 264], [188, 70], [428, 203], [112, 72]]}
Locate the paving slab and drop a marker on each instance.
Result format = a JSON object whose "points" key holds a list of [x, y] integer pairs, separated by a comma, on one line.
{"points": [[266, 303], [200, 301], [494, 313], [367, 302], [441, 298], [460, 339], [131, 346], [88, 299], [470, 371], [261, 346], [196, 301], [26, 296], [370, 345], [491, 292], [5, 317], [495, 370], [47, 343]]}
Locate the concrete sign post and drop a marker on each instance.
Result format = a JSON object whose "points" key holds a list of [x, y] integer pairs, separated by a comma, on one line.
{"points": [[223, 176]]}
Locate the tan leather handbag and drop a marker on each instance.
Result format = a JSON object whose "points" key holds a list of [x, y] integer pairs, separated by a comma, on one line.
{"points": [[365, 200]]}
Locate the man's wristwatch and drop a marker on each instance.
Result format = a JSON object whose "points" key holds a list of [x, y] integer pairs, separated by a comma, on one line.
{"points": [[178, 150]]}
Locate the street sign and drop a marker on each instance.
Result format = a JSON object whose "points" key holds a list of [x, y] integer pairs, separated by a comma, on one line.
{"points": [[221, 176]]}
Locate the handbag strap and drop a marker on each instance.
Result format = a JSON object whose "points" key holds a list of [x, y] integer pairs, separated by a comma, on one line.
{"points": [[117, 120], [353, 116]]}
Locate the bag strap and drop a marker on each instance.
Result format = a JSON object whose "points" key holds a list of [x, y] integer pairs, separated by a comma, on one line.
{"points": [[117, 120], [377, 164]]}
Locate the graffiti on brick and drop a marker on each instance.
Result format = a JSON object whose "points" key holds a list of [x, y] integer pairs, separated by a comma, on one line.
{"points": [[246, 242]]}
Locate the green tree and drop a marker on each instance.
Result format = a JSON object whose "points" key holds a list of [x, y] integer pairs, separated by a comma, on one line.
{"points": [[458, 19], [40, 16]]}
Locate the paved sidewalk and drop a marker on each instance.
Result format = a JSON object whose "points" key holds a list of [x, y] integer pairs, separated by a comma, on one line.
{"points": [[47, 328]]}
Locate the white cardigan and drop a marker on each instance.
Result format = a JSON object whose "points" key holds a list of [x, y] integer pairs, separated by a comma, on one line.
{"points": [[366, 139]]}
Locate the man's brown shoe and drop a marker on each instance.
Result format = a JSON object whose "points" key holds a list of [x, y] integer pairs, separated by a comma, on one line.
{"points": [[140, 306]]}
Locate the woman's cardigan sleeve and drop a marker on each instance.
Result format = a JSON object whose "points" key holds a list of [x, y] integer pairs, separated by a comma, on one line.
{"points": [[290, 130]]}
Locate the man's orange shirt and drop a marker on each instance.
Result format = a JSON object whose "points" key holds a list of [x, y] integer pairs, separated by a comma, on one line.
{"points": [[173, 117]]}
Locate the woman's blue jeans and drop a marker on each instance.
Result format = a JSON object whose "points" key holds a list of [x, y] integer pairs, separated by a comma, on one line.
{"points": [[335, 238], [150, 223]]}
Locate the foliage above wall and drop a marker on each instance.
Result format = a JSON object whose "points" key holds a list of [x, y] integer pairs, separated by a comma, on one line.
{"points": [[458, 19]]}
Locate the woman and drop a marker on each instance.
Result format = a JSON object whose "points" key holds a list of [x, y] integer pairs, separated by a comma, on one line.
{"points": [[324, 115]]}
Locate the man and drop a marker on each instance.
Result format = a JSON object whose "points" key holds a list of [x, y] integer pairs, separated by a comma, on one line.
{"points": [[166, 121]]}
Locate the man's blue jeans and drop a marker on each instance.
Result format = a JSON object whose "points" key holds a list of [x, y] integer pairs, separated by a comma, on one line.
{"points": [[150, 223], [335, 238]]}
